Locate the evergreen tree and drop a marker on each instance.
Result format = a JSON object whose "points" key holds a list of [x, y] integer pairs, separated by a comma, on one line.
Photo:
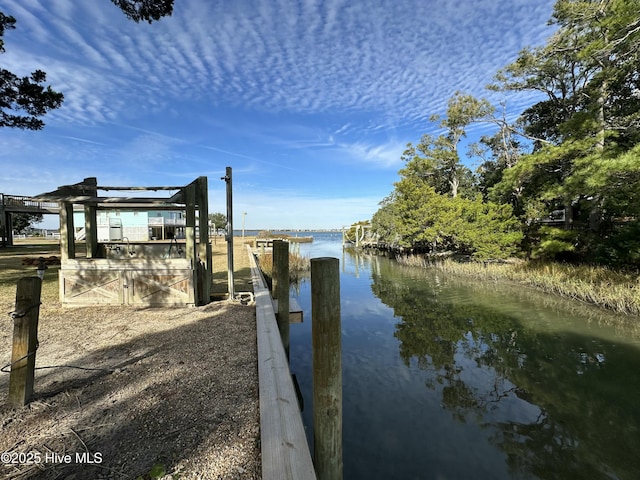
{"points": [[23, 99]]}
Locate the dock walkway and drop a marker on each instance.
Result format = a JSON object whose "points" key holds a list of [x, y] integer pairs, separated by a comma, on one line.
{"points": [[284, 447]]}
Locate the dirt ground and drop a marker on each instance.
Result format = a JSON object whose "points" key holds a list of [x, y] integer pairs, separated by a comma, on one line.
{"points": [[128, 393]]}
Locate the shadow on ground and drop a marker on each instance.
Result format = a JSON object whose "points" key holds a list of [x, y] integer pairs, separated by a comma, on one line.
{"points": [[184, 397]]}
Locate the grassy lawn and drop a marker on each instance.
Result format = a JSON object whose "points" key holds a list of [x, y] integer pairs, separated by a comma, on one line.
{"points": [[12, 267]]}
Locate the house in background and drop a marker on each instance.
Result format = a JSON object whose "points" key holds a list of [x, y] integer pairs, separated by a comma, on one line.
{"points": [[134, 225]]}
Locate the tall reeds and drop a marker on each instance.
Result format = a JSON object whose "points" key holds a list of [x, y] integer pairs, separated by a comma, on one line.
{"points": [[602, 286], [298, 264]]}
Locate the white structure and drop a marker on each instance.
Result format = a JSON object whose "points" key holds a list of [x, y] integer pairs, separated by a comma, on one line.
{"points": [[114, 225]]}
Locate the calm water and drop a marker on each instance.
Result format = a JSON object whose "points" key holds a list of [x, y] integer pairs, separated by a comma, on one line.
{"points": [[446, 378]]}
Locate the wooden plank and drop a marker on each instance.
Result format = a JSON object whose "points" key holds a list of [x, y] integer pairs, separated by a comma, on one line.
{"points": [[156, 288], [82, 264], [285, 452], [91, 287], [295, 310]]}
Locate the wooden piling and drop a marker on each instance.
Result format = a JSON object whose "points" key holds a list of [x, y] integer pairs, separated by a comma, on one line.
{"points": [[280, 272], [275, 279], [25, 339], [327, 367]]}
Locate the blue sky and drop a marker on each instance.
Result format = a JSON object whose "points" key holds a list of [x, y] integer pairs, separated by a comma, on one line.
{"points": [[311, 102]]}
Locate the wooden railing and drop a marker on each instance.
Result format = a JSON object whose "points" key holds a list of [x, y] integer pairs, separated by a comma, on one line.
{"points": [[23, 204]]}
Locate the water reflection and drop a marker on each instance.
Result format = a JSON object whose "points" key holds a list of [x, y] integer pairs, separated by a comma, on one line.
{"points": [[445, 378], [558, 395]]}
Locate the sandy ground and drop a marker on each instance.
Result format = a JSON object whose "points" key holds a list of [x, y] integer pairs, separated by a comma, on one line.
{"points": [[160, 393]]}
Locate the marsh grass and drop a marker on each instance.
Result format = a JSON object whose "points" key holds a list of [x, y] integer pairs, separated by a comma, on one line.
{"points": [[601, 286], [298, 265]]}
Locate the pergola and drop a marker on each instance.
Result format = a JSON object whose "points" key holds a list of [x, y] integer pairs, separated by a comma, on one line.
{"points": [[134, 273]]}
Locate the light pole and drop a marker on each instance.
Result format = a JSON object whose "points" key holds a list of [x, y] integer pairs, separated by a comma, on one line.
{"points": [[244, 214], [229, 181]]}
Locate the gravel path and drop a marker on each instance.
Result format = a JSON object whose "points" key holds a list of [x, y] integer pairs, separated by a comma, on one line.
{"points": [[164, 393]]}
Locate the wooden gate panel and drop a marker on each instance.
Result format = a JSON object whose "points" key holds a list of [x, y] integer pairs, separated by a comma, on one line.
{"points": [[91, 287], [147, 287]]}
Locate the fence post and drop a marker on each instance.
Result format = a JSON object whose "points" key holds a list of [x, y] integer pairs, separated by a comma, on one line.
{"points": [[25, 333], [327, 367], [280, 278]]}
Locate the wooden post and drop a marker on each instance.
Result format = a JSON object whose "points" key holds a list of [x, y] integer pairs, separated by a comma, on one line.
{"points": [[204, 248], [5, 224], [327, 367], [90, 187], [190, 238], [281, 288], [91, 230], [190, 222], [274, 272], [25, 333], [67, 232]]}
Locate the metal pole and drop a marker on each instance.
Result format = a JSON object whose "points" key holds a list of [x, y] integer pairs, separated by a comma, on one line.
{"points": [[244, 214], [228, 179]]}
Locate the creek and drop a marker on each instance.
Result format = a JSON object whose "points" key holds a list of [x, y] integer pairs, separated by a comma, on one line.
{"points": [[450, 378]]}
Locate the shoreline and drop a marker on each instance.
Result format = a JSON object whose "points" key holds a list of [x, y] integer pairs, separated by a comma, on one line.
{"points": [[603, 287]]}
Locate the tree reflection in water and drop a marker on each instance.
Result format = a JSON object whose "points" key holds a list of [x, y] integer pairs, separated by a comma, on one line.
{"points": [[561, 402]]}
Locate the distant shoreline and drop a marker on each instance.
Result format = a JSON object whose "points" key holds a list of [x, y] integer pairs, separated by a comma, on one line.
{"points": [[254, 232]]}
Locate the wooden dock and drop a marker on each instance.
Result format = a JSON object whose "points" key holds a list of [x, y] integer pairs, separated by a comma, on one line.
{"points": [[284, 447]]}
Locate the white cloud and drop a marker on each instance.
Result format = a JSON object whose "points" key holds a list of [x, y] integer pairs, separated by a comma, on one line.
{"points": [[265, 86], [386, 155], [394, 58]]}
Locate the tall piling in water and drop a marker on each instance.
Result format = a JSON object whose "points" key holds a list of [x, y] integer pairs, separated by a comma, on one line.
{"points": [[327, 367]]}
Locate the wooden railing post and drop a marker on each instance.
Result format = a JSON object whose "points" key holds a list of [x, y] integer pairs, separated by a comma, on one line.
{"points": [[327, 367], [25, 339], [280, 277], [67, 232]]}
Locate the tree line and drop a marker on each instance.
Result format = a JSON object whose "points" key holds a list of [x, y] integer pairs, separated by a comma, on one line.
{"points": [[562, 180]]}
